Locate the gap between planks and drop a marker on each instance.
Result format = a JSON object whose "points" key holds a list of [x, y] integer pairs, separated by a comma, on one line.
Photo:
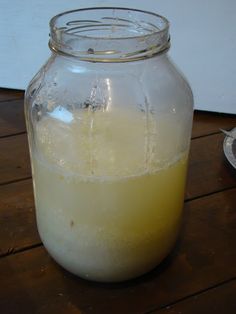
{"points": [[198, 293]]}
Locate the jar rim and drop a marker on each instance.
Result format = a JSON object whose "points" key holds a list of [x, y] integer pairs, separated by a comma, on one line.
{"points": [[164, 19], [149, 33]]}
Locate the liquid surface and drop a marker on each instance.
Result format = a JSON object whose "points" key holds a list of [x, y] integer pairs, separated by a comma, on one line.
{"points": [[108, 209]]}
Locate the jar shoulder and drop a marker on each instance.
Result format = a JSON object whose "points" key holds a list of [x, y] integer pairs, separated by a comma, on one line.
{"points": [[157, 80]]}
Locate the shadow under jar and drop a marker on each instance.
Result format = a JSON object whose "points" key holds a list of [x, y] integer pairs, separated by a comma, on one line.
{"points": [[109, 121]]}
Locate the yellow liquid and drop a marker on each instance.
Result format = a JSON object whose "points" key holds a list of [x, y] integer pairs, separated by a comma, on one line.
{"points": [[109, 227]]}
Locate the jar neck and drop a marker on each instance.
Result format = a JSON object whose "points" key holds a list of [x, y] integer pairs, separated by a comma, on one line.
{"points": [[109, 34]]}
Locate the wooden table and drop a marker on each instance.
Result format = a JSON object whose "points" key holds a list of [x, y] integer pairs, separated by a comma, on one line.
{"points": [[199, 276]]}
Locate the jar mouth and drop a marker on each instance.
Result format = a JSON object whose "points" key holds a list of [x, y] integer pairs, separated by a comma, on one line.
{"points": [[109, 34]]}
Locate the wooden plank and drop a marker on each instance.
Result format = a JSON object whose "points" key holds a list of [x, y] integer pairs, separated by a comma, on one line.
{"points": [[204, 256], [14, 158], [207, 123], [11, 94], [208, 169], [12, 118], [17, 217], [220, 300]]}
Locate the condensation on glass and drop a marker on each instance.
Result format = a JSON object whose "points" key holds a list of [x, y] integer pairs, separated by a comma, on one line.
{"points": [[109, 121]]}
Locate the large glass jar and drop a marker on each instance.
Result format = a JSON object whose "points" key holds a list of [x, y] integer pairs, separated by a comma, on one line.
{"points": [[109, 121]]}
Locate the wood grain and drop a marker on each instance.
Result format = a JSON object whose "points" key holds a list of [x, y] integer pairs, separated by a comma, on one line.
{"points": [[204, 256], [11, 94], [12, 117], [14, 159], [205, 123], [17, 217], [203, 259], [219, 300], [12, 120], [208, 169]]}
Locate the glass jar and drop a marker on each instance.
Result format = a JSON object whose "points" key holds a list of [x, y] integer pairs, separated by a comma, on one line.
{"points": [[109, 121]]}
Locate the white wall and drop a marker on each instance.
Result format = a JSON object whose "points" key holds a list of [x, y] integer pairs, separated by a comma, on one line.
{"points": [[203, 37]]}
